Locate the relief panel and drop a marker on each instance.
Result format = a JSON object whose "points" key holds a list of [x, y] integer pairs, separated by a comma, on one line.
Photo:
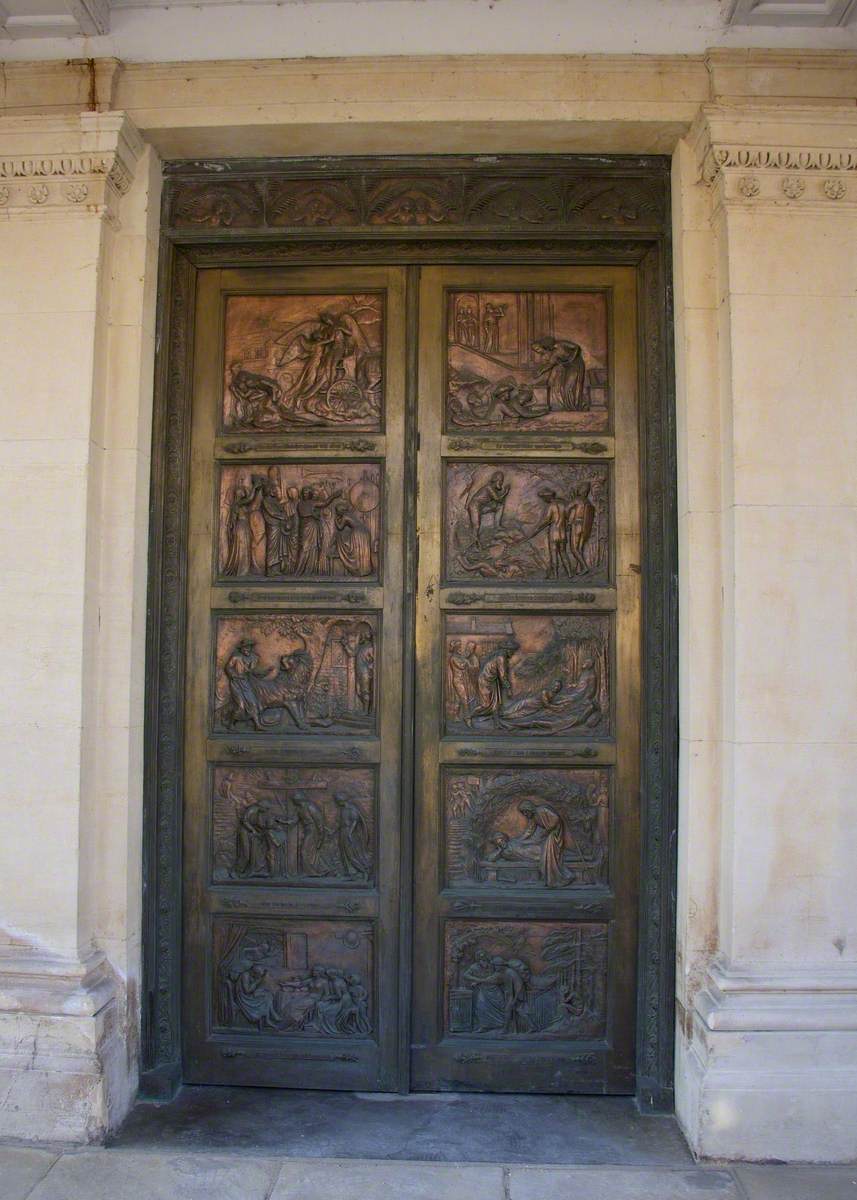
{"points": [[306, 825], [527, 361], [296, 673], [296, 978], [536, 521], [543, 979], [538, 828], [304, 362], [300, 521], [508, 675]]}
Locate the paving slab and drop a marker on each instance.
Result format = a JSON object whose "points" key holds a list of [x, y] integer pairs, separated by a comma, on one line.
{"points": [[799, 1183], [619, 1183], [21, 1169], [350, 1180], [121, 1175], [437, 1128]]}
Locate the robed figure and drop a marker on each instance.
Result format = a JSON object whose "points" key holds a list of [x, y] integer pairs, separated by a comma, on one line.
{"points": [[238, 559], [563, 371], [352, 541], [353, 838], [545, 831]]}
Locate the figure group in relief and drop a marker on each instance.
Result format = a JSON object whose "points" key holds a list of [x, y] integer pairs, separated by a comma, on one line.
{"points": [[536, 982], [258, 987], [322, 367], [536, 828], [303, 529], [330, 691], [514, 361], [488, 533], [496, 686], [284, 834]]}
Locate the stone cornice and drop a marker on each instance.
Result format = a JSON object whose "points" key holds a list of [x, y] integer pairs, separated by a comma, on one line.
{"points": [[802, 156], [61, 164]]}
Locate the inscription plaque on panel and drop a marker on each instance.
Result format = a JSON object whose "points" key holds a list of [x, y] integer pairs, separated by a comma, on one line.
{"points": [[509, 675], [537, 828], [296, 673], [291, 977], [300, 521], [527, 361], [545, 979], [303, 362], [535, 521], [302, 825]]}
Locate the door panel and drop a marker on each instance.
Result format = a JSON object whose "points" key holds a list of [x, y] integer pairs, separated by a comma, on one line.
{"points": [[527, 644], [294, 663]]}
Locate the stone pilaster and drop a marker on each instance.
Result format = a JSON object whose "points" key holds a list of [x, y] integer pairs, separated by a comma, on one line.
{"points": [[66, 1048], [768, 1046]]}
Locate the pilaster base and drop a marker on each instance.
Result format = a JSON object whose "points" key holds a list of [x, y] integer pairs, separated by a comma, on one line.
{"points": [[64, 1069], [767, 1066]]}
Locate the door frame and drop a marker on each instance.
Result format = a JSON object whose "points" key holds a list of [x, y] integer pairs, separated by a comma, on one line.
{"points": [[505, 209]]}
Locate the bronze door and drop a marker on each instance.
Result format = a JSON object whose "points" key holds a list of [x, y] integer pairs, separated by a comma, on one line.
{"points": [[527, 674], [520, 387], [293, 708]]}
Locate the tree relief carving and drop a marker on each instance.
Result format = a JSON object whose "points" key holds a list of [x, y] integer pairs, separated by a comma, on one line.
{"points": [[293, 978], [536, 521], [296, 673], [300, 521], [525, 361], [509, 675], [304, 362], [307, 825], [531, 981], [521, 829]]}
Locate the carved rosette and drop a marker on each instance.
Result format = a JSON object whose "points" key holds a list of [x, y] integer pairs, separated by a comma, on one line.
{"points": [[89, 173], [746, 171]]}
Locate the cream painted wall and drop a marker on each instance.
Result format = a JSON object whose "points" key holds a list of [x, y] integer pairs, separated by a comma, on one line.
{"points": [[765, 222]]}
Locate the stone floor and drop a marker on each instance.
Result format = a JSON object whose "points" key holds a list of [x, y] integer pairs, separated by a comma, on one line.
{"points": [[251, 1144]]}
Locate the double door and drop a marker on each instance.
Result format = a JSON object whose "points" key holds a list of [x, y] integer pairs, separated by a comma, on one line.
{"points": [[411, 750]]}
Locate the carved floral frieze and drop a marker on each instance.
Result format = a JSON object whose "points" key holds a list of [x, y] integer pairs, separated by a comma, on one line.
{"points": [[74, 180], [753, 174], [421, 202]]}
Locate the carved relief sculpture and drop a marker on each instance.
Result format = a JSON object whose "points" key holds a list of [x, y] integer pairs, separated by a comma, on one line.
{"points": [[296, 673], [313, 825], [303, 362], [297, 978], [536, 828], [536, 521], [535, 981], [509, 675], [302, 521], [527, 361]]}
